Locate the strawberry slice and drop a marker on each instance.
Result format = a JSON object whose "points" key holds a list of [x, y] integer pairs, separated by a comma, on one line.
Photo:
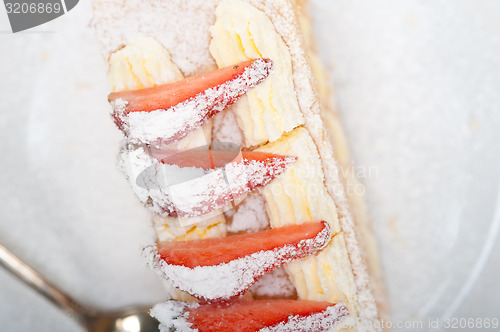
{"points": [[198, 182], [211, 252], [214, 158], [250, 316], [167, 113], [168, 95], [218, 269], [241, 174]]}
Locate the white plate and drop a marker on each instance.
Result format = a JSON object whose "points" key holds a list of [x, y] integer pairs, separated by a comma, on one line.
{"points": [[417, 87]]}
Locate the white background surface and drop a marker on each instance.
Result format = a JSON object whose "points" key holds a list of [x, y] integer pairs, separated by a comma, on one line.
{"points": [[418, 87]]}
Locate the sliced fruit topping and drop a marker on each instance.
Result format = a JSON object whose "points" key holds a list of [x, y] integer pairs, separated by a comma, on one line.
{"points": [[209, 252], [168, 95], [216, 158], [250, 316], [167, 113], [218, 269], [177, 189], [236, 174]]}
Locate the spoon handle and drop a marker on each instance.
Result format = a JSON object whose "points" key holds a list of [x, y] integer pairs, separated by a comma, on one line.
{"points": [[37, 282]]}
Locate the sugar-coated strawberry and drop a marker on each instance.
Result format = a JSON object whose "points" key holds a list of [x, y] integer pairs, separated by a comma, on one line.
{"points": [[250, 316], [176, 187], [213, 158], [239, 174], [167, 113], [222, 268]]}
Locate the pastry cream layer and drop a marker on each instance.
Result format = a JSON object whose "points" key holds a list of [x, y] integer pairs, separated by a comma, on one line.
{"points": [[145, 63], [299, 195], [243, 32]]}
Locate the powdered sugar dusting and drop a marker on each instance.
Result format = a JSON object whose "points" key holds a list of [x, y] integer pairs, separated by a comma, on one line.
{"points": [[173, 314], [119, 105], [249, 216], [318, 322], [227, 280], [225, 128], [180, 26], [165, 126], [275, 284]]}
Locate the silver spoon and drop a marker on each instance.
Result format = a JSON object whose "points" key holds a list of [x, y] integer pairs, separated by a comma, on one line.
{"points": [[132, 319]]}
